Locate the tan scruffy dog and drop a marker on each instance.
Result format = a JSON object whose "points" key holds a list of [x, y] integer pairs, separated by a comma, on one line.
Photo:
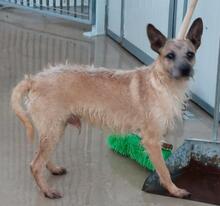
{"points": [[147, 99]]}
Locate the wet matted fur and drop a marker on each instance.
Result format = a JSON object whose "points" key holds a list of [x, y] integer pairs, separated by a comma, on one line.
{"points": [[148, 99]]}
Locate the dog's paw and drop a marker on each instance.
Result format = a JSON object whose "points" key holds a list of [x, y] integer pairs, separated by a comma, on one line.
{"points": [[59, 171], [52, 194], [181, 193]]}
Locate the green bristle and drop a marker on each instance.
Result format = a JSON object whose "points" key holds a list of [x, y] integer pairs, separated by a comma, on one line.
{"points": [[117, 144], [130, 146]]}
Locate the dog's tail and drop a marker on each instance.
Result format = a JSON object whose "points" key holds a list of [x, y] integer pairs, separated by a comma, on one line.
{"points": [[19, 91]]}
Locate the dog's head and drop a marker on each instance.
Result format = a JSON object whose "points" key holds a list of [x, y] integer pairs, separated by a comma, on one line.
{"points": [[177, 56]]}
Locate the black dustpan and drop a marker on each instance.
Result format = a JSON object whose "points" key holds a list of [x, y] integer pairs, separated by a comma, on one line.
{"points": [[194, 166]]}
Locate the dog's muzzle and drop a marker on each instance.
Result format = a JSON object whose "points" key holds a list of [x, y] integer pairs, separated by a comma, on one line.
{"points": [[182, 70]]}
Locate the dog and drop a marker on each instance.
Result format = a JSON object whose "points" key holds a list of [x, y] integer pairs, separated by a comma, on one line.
{"points": [[148, 99]]}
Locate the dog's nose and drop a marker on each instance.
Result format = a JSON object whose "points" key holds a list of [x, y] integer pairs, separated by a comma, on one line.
{"points": [[185, 70]]}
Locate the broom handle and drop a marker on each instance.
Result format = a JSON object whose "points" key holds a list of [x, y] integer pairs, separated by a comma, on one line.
{"points": [[217, 101], [185, 25]]}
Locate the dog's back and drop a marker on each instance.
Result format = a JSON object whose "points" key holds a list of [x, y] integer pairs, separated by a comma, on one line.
{"points": [[109, 98]]}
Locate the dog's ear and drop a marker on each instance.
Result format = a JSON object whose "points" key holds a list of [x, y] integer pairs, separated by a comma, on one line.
{"points": [[157, 39], [195, 33]]}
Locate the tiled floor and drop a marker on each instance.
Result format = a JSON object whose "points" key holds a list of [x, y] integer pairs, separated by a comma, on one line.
{"points": [[96, 176]]}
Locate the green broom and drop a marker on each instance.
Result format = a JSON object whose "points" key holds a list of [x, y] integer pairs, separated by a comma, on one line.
{"points": [[130, 146]]}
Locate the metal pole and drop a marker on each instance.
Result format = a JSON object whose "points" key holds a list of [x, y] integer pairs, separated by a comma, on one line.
{"points": [[75, 8], [61, 6], [68, 6], [34, 3], [54, 5], [41, 4], [47, 3], [82, 6], [217, 101]]}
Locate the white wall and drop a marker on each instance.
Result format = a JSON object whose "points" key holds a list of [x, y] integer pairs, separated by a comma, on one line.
{"points": [[179, 14], [204, 81], [114, 20], [206, 67], [138, 14]]}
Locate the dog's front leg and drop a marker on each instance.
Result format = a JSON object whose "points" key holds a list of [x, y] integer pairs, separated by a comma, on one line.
{"points": [[151, 141]]}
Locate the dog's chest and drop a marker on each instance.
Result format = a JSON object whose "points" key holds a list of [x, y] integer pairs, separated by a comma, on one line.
{"points": [[169, 107]]}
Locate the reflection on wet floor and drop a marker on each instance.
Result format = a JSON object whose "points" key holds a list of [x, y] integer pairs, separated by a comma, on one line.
{"points": [[96, 176]]}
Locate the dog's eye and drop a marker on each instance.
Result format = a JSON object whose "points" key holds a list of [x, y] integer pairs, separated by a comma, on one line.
{"points": [[170, 56], [190, 55]]}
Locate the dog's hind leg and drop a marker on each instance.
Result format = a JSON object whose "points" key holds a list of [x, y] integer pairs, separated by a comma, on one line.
{"points": [[47, 144], [55, 169], [151, 141]]}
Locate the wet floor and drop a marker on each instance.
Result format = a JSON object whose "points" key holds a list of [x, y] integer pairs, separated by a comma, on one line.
{"points": [[96, 176]]}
